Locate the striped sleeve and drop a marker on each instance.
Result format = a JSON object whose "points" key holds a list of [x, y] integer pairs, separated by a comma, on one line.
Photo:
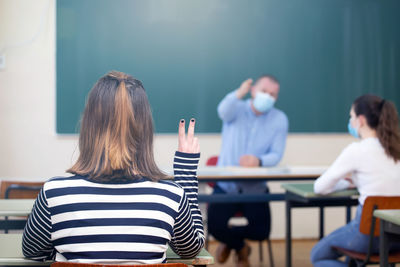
{"points": [[36, 241], [188, 234]]}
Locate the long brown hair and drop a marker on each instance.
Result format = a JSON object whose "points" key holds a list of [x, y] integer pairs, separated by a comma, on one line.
{"points": [[382, 116], [116, 134]]}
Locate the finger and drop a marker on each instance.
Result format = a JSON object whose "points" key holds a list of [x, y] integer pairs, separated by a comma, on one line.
{"points": [[190, 135], [196, 146], [181, 133], [248, 82]]}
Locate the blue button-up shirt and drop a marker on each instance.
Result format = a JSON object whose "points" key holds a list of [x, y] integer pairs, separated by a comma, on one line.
{"points": [[245, 133]]}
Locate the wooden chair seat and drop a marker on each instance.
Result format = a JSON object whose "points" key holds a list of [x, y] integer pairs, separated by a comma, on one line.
{"points": [[74, 264], [19, 190], [374, 258], [369, 225]]}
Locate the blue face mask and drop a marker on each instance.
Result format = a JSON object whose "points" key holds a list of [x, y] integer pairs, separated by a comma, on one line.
{"points": [[353, 131], [263, 102]]}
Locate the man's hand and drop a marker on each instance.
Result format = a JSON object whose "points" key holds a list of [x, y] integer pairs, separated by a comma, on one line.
{"points": [[189, 143], [244, 88], [249, 161]]}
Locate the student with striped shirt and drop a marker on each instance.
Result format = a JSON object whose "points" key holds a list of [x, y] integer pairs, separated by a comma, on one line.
{"points": [[118, 207]]}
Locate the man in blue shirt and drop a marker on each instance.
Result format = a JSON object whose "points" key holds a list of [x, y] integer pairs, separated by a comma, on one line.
{"points": [[253, 134]]}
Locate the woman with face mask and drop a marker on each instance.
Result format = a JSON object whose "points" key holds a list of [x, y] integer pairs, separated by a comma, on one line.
{"points": [[374, 165]]}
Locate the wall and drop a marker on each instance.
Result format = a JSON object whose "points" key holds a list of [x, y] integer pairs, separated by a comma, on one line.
{"points": [[30, 148]]}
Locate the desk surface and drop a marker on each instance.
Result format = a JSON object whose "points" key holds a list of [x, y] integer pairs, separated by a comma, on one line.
{"points": [[222, 173], [203, 258], [259, 173], [11, 251], [306, 190], [392, 216], [11, 254], [16, 207]]}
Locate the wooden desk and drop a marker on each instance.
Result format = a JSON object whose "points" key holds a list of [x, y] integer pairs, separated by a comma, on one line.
{"points": [[16, 207], [302, 195], [240, 174], [389, 230], [210, 174], [202, 259], [11, 251], [11, 254], [205, 174]]}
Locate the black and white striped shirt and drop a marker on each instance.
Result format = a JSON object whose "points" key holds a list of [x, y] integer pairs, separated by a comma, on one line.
{"points": [[76, 219]]}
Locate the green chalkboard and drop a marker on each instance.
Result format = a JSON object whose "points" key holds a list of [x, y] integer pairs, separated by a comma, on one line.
{"points": [[189, 54]]}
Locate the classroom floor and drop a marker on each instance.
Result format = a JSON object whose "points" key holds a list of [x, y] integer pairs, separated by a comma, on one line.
{"points": [[301, 254]]}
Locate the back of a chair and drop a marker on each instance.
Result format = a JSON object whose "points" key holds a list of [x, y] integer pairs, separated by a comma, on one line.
{"points": [[212, 161], [376, 202], [73, 264], [16, 189]]}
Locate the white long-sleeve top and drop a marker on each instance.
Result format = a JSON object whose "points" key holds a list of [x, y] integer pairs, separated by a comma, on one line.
{"points": [[372, 171]]}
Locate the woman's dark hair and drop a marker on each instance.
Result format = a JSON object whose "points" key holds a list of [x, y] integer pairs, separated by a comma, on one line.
{"points": [[116, 136], [382, 116]]}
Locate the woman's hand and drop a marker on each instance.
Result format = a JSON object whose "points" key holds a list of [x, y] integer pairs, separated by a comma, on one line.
{"points": [[189, 143], [351, 185]]}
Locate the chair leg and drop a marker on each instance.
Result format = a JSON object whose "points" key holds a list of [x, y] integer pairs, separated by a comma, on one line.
{"points": [[271, 257], [355, 263], [352, 263], [260, 250], [5, 229], [207, 236]]}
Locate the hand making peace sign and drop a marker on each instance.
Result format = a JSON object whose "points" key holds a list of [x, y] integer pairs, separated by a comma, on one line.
{"points": [[188, 143]]}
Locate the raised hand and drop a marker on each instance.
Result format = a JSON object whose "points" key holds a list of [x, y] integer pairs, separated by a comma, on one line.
{"points": [[244, 88], [188, 143]]}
